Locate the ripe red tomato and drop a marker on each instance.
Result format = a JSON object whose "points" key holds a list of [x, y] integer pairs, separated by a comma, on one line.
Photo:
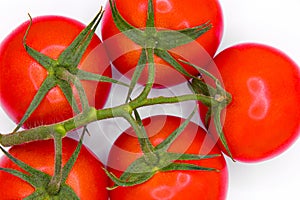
{"points": [[173, 15], [177, 184], [86, 178], [21, 76], [263, 118]]}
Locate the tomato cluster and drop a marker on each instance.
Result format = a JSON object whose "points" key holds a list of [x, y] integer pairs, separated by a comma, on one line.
{"points": [[248, 95]]}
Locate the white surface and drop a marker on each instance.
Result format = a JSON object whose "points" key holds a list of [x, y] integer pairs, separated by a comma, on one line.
{"points": [[272, 22]]}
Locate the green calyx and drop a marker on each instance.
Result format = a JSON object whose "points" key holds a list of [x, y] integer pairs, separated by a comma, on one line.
{"points": [[143, 169], [156, 159], [151, 37], [156, 42], [46, 186], [63, 72], [219, 101]]}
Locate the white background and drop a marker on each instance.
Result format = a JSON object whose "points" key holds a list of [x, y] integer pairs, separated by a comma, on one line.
{"points": [[273, 22]]}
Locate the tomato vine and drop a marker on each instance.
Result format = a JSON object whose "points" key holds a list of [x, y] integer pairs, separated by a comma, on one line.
{"points": [[64, 72]]}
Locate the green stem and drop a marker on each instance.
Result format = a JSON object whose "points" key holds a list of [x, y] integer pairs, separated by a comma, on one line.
{"points": [[56, 180], [142, 136], [151, 75], [47, 131], [84, 118], [178, 99]]}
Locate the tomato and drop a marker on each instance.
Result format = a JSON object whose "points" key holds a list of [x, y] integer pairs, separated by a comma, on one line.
{"points": [[21, 76], [86, 178], [263, 118], [178, 184], [169, 14]]}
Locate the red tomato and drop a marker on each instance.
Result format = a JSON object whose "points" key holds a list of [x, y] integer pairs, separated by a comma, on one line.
{"points": [[169, 14], [21, 76], [263, 118], [173, 184], [86, 178]]}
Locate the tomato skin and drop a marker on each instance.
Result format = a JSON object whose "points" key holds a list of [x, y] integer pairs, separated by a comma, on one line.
{"points": [[263, 118], [173, 15], [21, 76], [86, 178], [173, 184]]}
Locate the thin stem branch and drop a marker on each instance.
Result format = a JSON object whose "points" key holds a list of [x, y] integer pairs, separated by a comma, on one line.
{"points": [[143, 138], [151, 75], [70, 78], [55, 182]]}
